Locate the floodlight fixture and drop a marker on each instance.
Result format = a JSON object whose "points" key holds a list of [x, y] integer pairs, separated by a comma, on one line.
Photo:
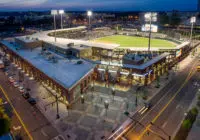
{"points": [[61, 12], [89, 13], [192, 19], [54, 12], [150, 16]]}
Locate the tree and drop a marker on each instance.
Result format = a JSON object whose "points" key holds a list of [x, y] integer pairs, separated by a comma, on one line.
{"points": [[175, 19], [187, 124], [194, 111], [157, 81], [5, 122], [163, 19]]}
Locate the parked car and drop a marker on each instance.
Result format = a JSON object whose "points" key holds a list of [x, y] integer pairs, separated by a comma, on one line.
{"points": [[11, 79], [6, 73], [26, 95], [15, 84], [32, 101], [21, 89]]}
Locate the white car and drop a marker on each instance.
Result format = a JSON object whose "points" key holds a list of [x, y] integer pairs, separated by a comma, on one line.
{"points": [[15, 84], [6, 73], [11, 80], [10, 77], [21, 89]]}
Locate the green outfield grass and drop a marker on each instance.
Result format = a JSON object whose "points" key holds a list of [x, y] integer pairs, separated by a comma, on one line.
{"points": [[132, 41]]}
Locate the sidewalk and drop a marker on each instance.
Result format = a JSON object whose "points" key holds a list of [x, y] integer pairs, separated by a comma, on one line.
{"points": [[194, 133], [90, 120]]}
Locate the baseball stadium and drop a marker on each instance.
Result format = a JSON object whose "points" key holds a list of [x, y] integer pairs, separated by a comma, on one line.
{"points": [[69, 61]]}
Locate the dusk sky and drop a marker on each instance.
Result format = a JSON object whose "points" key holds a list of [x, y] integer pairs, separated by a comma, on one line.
{"points": [[111, 5]]}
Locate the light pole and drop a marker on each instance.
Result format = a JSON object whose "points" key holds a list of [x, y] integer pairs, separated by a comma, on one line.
{"points": [[61, 12], [57, 116], [54, 13], [89, 14], [192, 21], [92, 88], [82, 100], [150, 17], [106, 105], [113, 92]]}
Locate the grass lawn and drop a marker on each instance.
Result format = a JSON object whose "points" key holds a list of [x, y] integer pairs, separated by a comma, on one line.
{"points": [[132, 41]]}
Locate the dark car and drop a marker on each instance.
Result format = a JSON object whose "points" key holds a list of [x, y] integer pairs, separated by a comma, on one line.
{"points": [[32, 101], [26, 95]]}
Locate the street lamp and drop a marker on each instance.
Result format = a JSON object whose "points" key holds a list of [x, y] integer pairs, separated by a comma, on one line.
{"points": [[82, 100], [57, 115], [54, 13], [89, 13], [113, 92], [61, 12], [92, 88], [150, 17], [192, 21], [106, 105]]}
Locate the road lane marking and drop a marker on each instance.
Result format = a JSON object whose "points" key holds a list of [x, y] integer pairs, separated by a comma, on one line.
{"points": [[164, 124], [16, 113], [45, 134], [177, 106], [164, 108], [141, 109], [155, 105], [144, 111]]}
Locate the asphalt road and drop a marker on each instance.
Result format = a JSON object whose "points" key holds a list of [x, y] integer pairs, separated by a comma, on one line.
{"points": [[38, 126], [175, 111], [16, 126], [171, 118]]}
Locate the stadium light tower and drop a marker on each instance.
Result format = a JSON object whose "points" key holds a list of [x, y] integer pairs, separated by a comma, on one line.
{"points": [[61, 12], [89, 14], [54, 13], [150, 17], [192, 21]]}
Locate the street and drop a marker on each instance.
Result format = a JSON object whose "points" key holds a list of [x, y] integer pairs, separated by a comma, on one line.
{"points": [[38, 126], [164, 108]]}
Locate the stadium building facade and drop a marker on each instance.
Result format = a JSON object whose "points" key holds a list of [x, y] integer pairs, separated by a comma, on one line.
{"points": [[69, 67]]}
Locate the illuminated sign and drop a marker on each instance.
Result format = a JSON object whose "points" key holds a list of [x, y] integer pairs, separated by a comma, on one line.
{"points": [[146, 28]]}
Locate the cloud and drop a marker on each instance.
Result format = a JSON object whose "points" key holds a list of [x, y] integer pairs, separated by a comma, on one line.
{"points": [[100, 4], [21, 3]]}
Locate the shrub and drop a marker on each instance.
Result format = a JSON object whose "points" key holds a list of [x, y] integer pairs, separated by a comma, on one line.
{"points": [[187, 124], [194, 111], [198, 103]]}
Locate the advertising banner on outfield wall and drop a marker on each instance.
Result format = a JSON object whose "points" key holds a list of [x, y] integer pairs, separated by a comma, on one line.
{"points": [[146, 28]]}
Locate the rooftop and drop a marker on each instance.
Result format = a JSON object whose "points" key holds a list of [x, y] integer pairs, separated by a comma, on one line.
{"points": [[27, 39], [140, 67], [64, 71]]}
